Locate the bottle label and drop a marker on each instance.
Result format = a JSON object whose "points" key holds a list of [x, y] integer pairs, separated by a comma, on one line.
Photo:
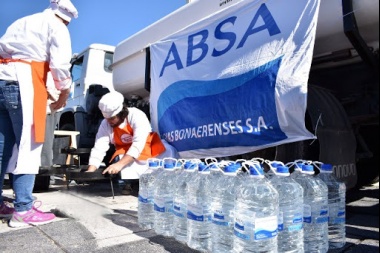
{"points": [[143, 200], [337, 214], [179, 209], [163, 205], [297, 223], [198, 213], [280, 221], [307, 213], [323, 215], [243, 225], [266, 228], [220, 216]]}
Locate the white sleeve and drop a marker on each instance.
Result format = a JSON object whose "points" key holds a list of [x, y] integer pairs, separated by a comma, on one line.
{"points": [[102, 144], [60, 56], [141, 129]]}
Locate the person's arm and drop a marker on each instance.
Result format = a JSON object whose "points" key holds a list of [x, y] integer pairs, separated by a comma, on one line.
{"points": [[60, 55], [118, 166], [102, 144], [61, 102]]}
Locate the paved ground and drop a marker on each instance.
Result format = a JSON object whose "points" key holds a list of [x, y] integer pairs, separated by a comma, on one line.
{"points": [[91, 220]]}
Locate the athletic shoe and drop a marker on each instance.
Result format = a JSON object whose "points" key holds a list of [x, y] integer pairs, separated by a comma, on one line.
{"points": [[6, 211], [32, 217]]}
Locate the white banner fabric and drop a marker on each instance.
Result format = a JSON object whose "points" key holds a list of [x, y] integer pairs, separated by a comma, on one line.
{"points": [[235, 82]]}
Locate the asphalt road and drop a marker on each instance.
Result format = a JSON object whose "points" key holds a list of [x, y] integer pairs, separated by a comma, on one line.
{"points": [[91, 220]]}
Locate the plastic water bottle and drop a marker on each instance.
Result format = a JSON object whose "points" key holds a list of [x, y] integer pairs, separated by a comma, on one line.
{"points": [[297, 170], [290, 218], [256, 213], [180, 200], [222, 209], [163, 199], [337, 207], [215, 168], [178, 169], [199, 210], [272, 168], [316, 211], [145, 198]]}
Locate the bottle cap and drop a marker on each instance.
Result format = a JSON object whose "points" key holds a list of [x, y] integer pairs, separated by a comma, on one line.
{"points": [[232, 168], [283, 170], [202, 167], [327, 167], [298, 166], [169, 165], [307, 169], [189, 165], [154, 164], [256, 170]]}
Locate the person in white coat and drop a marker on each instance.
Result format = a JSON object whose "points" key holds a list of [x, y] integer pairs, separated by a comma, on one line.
{"points": [[30, 47], [129, 130]]}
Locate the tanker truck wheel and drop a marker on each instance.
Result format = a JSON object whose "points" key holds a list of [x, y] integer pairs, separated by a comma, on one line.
{"points": [[336, 143]]}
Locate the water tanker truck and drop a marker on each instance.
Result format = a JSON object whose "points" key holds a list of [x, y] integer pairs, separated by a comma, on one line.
{"points": [[343, 86]]}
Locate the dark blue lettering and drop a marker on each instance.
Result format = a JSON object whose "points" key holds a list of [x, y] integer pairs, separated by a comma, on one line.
{"points": [[270, 24], [230, 36], [176, 59], [202, 45]]}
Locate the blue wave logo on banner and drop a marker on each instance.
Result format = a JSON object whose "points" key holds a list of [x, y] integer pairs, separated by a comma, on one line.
{"points": [[236, 111]]}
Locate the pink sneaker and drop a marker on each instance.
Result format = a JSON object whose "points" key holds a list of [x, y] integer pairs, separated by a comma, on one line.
{"points": [[6, 211], [32, 217]]}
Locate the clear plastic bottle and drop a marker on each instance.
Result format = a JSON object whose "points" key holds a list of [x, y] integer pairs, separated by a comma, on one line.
{"points": [[222, 209], [256, 213], [145, 214], [215, 168], [180, 200], [199, 210], [297, 170], [290, 219], [272, 168], [163, 199], [337, 207], [316, 211]]}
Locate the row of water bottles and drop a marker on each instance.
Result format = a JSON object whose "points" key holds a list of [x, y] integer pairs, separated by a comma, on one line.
{"points": [[234, 206]]}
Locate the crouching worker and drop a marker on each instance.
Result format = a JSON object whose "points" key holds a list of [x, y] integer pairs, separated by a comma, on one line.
{"points": [[129, 130]]}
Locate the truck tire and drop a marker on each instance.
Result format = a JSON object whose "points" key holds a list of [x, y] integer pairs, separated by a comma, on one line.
{"points": [[336, 143], [336, 139]]}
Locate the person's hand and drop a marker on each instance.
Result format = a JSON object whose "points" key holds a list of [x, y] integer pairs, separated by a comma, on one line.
{"points": [[61, 102], [113, 169], [91, 168]]}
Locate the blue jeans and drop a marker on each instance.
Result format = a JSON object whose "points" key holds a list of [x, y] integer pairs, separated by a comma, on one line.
{"points": [[10, 134]]}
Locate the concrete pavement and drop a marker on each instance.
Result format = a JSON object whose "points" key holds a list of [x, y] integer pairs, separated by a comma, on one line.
{"points": [[91, 220]]}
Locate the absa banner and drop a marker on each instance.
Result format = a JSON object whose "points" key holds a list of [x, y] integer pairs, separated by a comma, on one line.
{"points": [[236, 81]]}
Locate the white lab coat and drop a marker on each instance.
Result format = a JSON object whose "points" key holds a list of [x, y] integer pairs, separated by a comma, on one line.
{"points": [[43, 38], [141, 129]]}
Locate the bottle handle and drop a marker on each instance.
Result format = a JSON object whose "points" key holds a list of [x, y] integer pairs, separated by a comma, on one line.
{"points": [[251, 164], [317, 165], [209, 160]]}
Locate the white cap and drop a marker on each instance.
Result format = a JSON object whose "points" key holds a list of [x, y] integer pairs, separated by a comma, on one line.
{"points": [[111, 104], [64, 9]]}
